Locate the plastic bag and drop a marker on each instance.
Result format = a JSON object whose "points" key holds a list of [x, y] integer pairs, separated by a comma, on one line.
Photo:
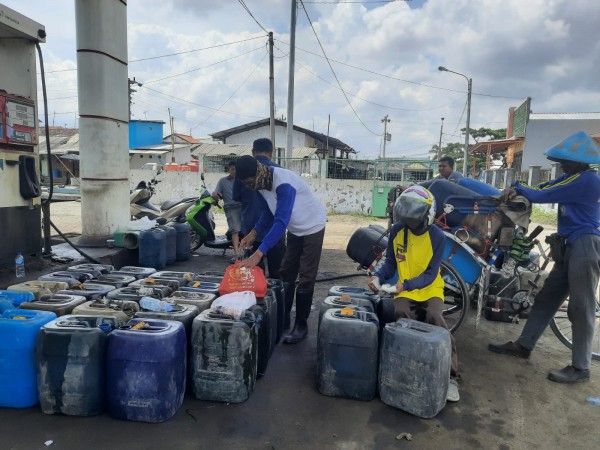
{"points": [[234, 304], [141, 224], [239, 279]]}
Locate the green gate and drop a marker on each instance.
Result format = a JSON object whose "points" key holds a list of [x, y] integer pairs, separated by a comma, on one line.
{"points": [[380, 196]]}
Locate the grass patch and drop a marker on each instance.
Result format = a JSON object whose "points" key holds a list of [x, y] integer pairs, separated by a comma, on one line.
{"points": [[544, 216]]}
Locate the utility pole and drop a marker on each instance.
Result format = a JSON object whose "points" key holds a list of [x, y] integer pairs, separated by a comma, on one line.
{"points": [[385, 121], [327, 139], [290, 108], [131, 91], [468, 124], [271, 91], [439, 155], [171, 119]]}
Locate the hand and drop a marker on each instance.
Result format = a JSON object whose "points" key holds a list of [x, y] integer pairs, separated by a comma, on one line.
{"points": [[248, 240], [250, 262], [508, 194], [373, 283], [217, 196], [399, 287]]}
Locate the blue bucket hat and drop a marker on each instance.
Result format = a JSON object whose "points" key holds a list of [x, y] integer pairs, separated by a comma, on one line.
{"points": [[579, 147]]}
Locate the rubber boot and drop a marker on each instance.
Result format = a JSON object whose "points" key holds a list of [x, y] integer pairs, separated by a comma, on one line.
{"points": [[289, 292], [303, 304]]}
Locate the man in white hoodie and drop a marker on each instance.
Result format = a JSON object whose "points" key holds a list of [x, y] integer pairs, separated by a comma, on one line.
{"points": [[291, 204]]}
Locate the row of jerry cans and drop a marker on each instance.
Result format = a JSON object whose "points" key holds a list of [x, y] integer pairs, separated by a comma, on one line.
{"points": [[260, 332], [407, 362], [163, 245], [83, 365]]}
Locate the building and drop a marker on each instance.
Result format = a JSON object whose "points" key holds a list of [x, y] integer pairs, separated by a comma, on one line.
{"points": [[145, 132], [325, 146]]}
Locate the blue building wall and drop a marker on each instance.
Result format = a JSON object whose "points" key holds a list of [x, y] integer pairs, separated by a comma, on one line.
{"points": [[145, 132]]}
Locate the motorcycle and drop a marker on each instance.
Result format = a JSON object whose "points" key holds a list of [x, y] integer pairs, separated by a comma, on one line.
{"points": [[201, 220], [171, 210]]}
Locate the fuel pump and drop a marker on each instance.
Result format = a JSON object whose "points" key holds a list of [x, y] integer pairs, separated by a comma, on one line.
{"points": [[20, 191]]}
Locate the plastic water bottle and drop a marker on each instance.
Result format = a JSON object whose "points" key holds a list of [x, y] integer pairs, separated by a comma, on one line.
{"points": [[154, 304], [20, 265], [593, 400]]}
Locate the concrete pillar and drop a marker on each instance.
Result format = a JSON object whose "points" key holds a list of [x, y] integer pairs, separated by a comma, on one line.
{"points": [[509, 177], [103, 111], [534, 175], [494, 177], [556, 170], [323, 168]]}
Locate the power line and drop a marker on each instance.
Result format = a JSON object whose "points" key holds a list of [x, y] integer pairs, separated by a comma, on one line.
{"points": [[203, 67], [181, 100], [400, 79], [233, 93], [335, 76], [241, 2], [192, 51], [374, 103], [171, 54]]}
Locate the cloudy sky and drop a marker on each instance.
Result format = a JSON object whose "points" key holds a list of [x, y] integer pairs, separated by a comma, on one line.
{"points": [[384, 55]]}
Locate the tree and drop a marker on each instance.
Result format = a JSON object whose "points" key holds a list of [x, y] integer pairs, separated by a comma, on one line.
{"points": [[456, 149]]}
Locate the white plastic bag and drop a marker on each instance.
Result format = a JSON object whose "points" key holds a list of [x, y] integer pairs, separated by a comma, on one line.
{"points": [[234, 304], [141, 224]]}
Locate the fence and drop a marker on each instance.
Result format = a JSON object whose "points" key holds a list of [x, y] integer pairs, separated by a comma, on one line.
{"points": [[402, 170]]}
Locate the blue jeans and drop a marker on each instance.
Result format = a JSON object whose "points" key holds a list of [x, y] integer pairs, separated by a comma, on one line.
{"points": [[577, 278]]}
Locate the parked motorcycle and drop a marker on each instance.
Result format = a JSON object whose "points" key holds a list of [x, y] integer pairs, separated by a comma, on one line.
{"points": [[201, 220], [171, 210]]}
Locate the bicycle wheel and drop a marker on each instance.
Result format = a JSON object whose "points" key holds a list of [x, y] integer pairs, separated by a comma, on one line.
{"points": [[456, 296], [561, 326]]}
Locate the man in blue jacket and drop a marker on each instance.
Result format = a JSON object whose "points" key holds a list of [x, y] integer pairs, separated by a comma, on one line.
{"points": [[290, 204], [252, 208], [576, 254]]}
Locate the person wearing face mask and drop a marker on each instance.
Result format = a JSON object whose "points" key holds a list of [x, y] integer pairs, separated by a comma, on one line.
{"points": [[288, 202], [575, 250], [415, 250]]}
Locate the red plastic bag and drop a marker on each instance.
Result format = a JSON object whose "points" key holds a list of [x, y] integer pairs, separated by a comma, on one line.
{"points": [[239, 279]]}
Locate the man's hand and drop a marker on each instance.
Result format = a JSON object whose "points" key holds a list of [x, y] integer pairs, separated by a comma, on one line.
{"points": [[252, 261], [217, 196], [399, 287], [508, 194], [373, 283], [248, 240]]}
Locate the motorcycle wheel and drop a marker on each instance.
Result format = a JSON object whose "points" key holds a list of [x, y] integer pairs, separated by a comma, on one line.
{"points": [[195, 241]]}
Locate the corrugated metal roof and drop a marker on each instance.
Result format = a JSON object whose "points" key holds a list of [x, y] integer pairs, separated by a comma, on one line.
{"points": [[244, 149], [148, 152], [565, 116], [166, 147]]}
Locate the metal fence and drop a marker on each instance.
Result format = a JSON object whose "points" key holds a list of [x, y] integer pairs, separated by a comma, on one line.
{"points": [[405, 170]]}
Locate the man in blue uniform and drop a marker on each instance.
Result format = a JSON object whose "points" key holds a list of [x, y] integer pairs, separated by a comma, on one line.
{"points": [[415, 250], [576, 254], [288, 203]]}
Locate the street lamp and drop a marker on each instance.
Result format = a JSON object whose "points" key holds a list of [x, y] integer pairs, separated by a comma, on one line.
{"points": [[470, 84]]}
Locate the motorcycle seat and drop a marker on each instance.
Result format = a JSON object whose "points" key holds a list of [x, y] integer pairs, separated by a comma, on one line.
{"points": [[170, 203]]}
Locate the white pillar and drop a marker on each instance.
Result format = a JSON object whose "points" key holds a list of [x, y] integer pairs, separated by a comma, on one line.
{"points": [[103, 111]]}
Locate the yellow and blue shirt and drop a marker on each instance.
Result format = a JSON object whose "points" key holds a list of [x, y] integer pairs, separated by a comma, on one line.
{"points": [[417, 259]]}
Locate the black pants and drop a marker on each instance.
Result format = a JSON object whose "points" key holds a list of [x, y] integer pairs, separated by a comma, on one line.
{"points": [[302, 258], [274, 257]]}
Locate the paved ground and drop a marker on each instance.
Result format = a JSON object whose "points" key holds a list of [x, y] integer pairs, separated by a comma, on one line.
{"points": [[506, 403]]}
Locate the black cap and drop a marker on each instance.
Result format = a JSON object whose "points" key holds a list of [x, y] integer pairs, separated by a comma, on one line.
{"points": [[245, 167]]}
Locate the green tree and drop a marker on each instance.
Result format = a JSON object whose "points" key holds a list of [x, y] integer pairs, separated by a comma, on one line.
{"points": [[456, 149]]}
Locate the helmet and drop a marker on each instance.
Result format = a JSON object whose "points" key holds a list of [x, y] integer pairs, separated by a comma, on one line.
{"points": [[578, 147], [415, 208]]}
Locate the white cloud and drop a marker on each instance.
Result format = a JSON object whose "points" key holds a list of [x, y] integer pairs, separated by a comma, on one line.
{"points": [[546, 49]]}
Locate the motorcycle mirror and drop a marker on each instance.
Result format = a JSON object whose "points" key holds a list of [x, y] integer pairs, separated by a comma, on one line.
{"points": [[202, 176]]}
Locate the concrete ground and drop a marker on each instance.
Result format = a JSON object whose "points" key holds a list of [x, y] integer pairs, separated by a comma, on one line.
{"points": [[506, 403]]}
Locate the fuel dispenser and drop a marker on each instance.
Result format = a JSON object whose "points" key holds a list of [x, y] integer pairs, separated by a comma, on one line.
{"points": [[20, 191]]}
